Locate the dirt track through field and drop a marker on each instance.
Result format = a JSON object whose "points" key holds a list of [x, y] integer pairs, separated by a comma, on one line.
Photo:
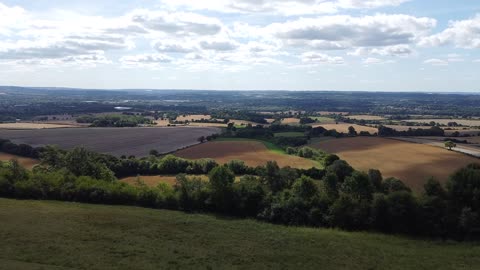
{"points": [[410, 162], [115, 141], [253, 153]]}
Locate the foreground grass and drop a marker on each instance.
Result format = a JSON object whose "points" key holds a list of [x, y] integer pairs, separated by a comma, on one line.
{"points": [[57, 235]]}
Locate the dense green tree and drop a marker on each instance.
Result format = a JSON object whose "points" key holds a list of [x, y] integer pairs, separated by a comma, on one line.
{"points": [[221, 181]]}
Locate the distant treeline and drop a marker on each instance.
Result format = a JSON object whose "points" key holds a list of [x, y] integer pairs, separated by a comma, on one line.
{"points": [[115, 120], [433, 131]]}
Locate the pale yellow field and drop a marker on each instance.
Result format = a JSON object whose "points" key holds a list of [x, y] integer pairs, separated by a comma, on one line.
{"points": [[365, 117], [343, 127], [411, 162], [289, 121], [34, 126], [162, 123]]}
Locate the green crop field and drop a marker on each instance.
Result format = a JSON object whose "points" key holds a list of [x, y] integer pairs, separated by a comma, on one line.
{"points": [[58, 235], [289, 134]]}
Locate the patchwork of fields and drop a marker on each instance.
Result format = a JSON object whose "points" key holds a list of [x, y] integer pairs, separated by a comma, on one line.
{"points": [[410, 162], [114, 141], [254, 153]]}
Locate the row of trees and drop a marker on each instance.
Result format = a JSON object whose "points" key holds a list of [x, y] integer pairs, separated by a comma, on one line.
{"points": [[343, 198], [115, 120]]}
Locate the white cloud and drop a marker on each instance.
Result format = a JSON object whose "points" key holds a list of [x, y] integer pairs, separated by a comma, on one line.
{"points": [[351, 32], [461, 34], [11, 18], [145, 60], [375, 61], [174, 46], [219, 45], [179, 23], [285, 7], [320, 58], [436, 62], [396, 50]]}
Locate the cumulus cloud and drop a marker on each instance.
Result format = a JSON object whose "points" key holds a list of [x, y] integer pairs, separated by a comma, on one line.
{"points": [[462, 34], [179, 23], [285, 7], [348, 31], [436, 62], [145, 60], [174, 46], [10, 18], [320, 58], [219, 45], [375, 61], [396, 50]]}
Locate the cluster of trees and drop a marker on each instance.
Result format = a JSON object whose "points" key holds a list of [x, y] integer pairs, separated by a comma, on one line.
{"points": [[23, 150], [433, 131], [240, 115], [343, 198], [115, 120]]}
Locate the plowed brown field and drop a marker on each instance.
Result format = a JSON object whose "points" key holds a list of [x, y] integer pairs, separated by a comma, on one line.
{"points": [[410, 162], [253, 153]]}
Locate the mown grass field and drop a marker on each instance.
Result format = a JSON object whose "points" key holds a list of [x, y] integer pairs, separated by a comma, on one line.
{"points": [[58, 235]]}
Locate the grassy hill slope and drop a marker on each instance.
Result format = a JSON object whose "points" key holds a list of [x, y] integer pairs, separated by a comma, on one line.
{"points": [[57, 235]]}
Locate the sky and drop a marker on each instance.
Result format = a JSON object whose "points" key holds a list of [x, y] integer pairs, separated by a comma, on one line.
{"points": [[377, 45]]}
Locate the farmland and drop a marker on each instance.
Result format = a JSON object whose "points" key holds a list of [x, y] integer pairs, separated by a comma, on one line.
{"points": [[115, 141], [155, 180], [412, 163], [34, 126], [58, 235], [253, 153], [25, 162], [194, 117], [291, 121], [343, 127], [365, 117], [463, 122]]}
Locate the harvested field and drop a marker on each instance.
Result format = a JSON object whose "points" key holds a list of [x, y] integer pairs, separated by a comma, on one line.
{"points": [[290, 121], [365, 117], [35, 125], [162, 123], [343, 127], [194, 117], [252, 152], [410, 162], [25, 162], [114, 141]]}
